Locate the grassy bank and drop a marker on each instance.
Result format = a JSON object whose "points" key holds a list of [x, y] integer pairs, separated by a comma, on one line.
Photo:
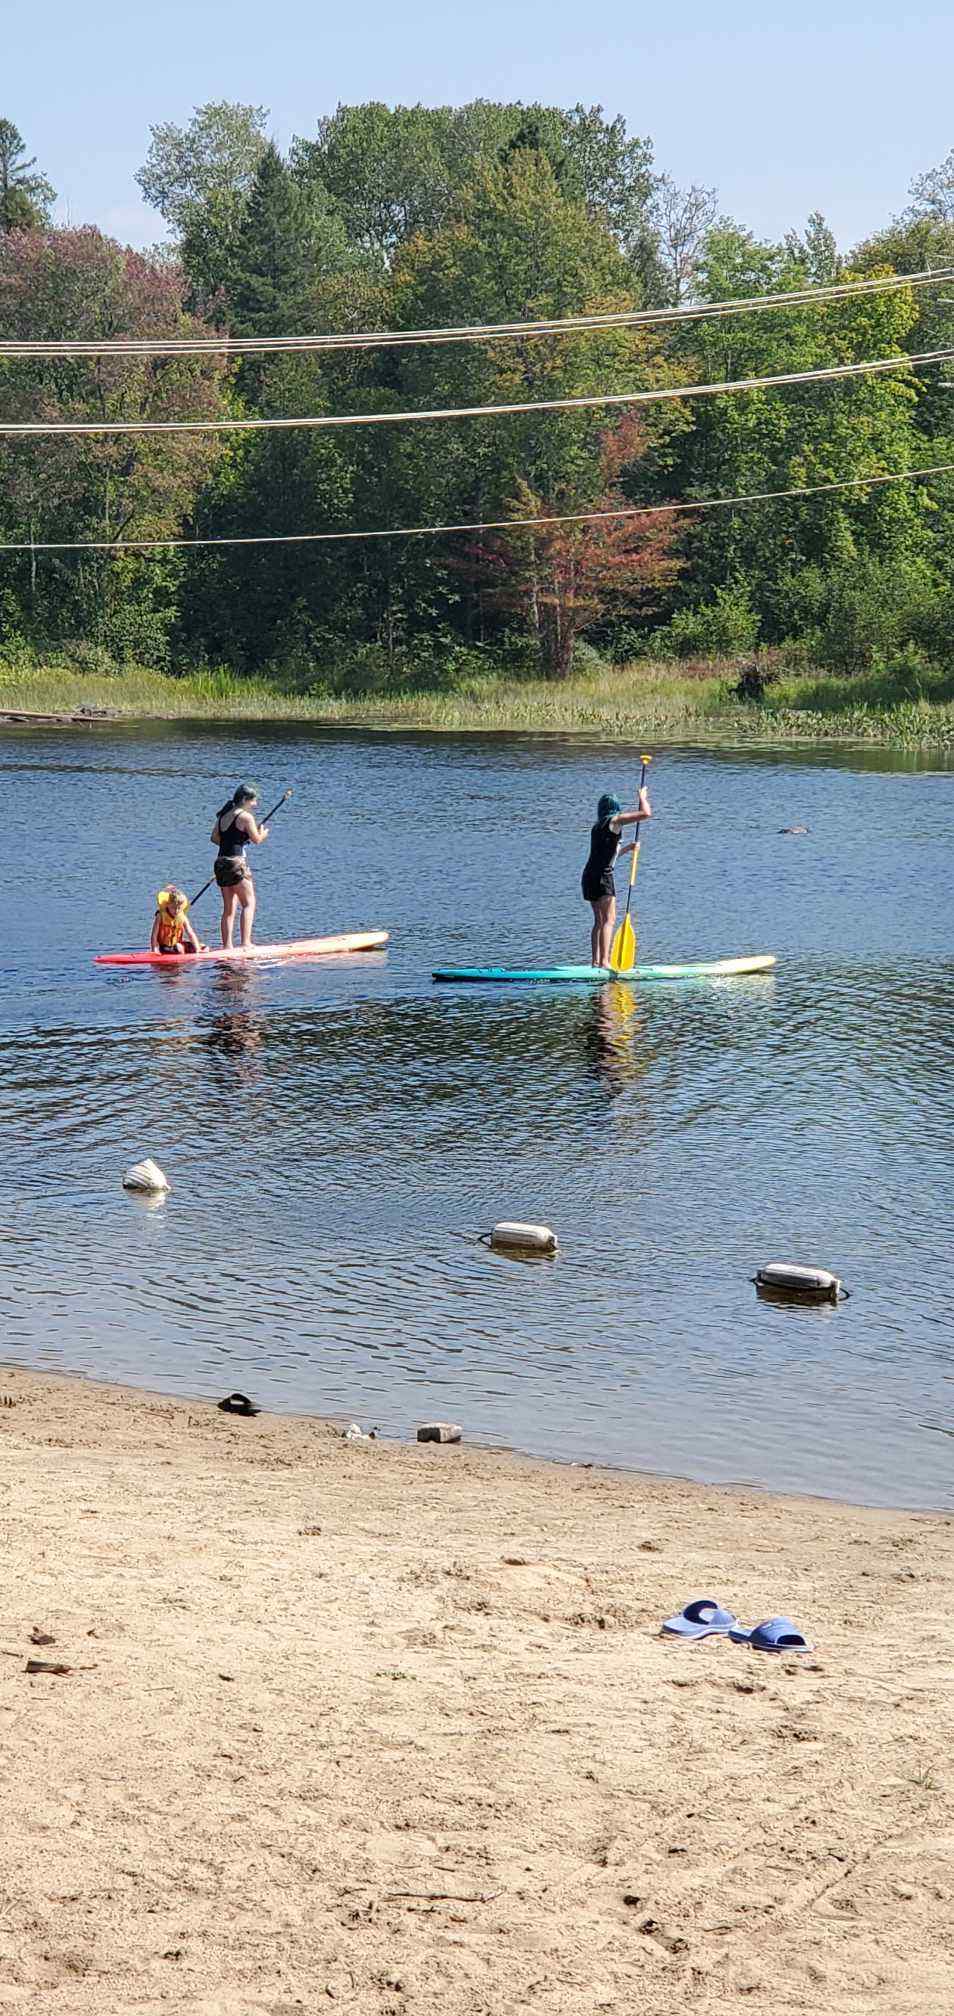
{"points": [[665, 701]]}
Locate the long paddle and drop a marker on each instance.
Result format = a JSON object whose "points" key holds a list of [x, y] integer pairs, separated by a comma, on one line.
{"points": [[623, 954], [269, 815]]}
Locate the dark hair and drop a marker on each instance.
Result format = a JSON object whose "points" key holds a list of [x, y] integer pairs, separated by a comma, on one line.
{"points": [[244, 794]]}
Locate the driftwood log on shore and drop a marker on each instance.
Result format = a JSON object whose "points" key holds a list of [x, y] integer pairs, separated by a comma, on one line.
{"points": [[85, 717]]}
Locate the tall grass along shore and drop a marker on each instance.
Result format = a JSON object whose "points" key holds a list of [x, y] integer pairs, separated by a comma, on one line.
{"points": [[663, 699]]}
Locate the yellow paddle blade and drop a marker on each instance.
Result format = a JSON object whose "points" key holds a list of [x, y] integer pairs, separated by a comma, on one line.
{"points": [[623, 953]]}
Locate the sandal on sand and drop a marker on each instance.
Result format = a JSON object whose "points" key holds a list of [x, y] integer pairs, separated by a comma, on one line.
{"points": [[703, 1618], [777, 1634], [237, 1403]]}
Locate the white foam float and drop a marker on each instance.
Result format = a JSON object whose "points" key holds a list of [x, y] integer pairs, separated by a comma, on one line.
{"points": [[512, 1237], [805, 1284], [146, 1177]]}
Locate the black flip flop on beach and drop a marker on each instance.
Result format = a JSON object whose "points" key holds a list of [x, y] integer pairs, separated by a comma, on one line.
{"points": [[237, 1403]]}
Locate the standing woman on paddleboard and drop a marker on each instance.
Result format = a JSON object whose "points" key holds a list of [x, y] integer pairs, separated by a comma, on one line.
{"points": [[234, 827], [599, 888]]}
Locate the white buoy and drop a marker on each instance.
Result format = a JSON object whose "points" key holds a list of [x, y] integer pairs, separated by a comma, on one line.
{"points": [[146, 1176], [511, 1237], [810, 1284]]}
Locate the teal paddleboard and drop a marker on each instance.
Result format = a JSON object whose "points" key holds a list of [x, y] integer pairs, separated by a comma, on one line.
{"points": [[598, 976]]}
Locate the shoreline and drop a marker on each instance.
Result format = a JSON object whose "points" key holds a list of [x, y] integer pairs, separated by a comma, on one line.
{"points": [[667, 702], [391, 1725], [510, 1452]]}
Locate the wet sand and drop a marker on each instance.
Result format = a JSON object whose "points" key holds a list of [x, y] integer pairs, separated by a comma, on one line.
{"points": [[391, 1729]]}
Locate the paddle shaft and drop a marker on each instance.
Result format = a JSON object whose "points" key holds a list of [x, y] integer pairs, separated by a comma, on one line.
{"points": [[269, 815], [620, 935], [638, 840]]}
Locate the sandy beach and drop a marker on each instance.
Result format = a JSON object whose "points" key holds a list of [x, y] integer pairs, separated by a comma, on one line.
{"points": [[391, 1729]]}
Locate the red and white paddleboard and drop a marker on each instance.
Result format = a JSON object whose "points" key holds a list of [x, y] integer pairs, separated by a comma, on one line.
{"points": [[296, 948]]}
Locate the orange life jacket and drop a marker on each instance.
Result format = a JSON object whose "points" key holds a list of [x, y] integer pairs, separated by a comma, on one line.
{"points": [[171, 923]]}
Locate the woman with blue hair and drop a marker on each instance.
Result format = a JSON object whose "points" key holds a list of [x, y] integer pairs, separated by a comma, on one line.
{"points": [[599, 888]]}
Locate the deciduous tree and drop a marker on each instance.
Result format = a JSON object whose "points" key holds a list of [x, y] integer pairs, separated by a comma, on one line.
{"points": [[79, 487], [561, 578], [199, 177]]}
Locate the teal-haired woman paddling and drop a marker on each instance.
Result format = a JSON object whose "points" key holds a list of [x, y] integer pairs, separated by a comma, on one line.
{"points": [[599, 888]]}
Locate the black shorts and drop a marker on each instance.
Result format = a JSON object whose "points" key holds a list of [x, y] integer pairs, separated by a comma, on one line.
{"points": [[596, 888], [229, 872]]}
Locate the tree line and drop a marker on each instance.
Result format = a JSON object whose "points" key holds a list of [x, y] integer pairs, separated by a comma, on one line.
{"points": [[406, 218]]}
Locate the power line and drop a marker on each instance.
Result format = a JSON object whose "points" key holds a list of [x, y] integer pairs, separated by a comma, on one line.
{"points": [[482, 525], [257, 424], [238, 346]]}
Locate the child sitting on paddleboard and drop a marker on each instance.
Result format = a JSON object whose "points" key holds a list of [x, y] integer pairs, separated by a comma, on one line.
{"points": [[171, 930], [599, 888]]}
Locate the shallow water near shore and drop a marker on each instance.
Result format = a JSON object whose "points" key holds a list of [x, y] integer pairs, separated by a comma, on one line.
{"points": [[338, 1134]]}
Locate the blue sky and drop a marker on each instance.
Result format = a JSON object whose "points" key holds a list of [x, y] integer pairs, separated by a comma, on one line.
{"points": [[785, 110]]}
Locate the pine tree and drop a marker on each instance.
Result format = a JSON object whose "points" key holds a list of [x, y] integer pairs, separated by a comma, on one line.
{"points": [[287, 240], [26, 199]]}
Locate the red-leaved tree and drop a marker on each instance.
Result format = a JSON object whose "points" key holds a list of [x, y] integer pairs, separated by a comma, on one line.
{"points": [[561, 577]]}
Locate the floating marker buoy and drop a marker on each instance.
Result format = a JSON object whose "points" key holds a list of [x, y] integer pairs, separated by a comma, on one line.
{"points": [[511, 1237], [805, 1284], [146, 1176]]}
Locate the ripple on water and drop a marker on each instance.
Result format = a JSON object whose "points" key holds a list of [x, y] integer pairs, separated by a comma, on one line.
{"points": [[338, 1136]]}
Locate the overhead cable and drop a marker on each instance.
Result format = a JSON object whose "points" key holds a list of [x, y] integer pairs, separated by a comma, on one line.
{"points": [[471, 332], [258, 424], [480, 525]]}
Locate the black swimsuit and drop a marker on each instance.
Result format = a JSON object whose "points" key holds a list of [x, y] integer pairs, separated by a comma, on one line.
{"points": [[231, 866], [598, 880]]}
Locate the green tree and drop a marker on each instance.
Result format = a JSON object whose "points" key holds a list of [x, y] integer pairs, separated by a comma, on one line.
{"points": [[86, 487], [285, 243], [199, 177], [795, 436], [26, 199], [216, 155], [920, 242], [816, 253], [394, 173], [517, 250], [932, 194]]}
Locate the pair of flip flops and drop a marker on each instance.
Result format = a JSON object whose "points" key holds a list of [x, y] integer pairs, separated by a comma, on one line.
{"points": [[705, 1618]]}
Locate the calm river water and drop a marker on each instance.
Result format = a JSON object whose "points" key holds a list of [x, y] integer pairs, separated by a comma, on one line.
{"points": [[337, 1136]]}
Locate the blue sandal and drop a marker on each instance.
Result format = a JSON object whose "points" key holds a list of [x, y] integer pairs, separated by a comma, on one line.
{"points": [[703, 1618], [777, 1634]]}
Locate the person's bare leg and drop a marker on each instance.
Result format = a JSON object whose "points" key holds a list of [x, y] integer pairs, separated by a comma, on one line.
{"points": [[228, 918], [595, 936], [246, 897], [607, 922]]}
